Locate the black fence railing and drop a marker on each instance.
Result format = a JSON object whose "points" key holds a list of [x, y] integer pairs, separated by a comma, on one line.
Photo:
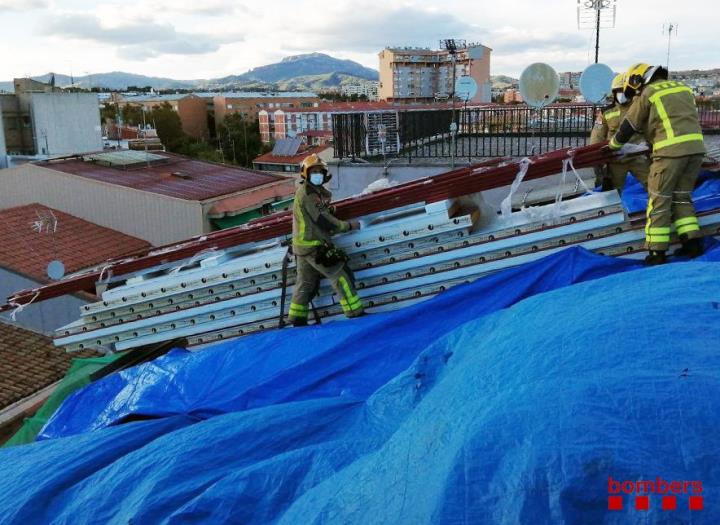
{"points": [[492, 131]]}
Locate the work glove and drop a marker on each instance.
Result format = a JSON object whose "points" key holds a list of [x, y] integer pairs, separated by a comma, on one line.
{"points": [[354, 225], [600, 174]]}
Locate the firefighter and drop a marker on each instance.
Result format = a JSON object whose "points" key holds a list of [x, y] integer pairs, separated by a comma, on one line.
{"points": [[313, 226], [613, 175], [664, 111]]}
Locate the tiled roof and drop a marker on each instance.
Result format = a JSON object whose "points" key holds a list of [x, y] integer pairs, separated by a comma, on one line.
{"points": [[200, 180], [269, 158], [28, 363], [77, 243]]}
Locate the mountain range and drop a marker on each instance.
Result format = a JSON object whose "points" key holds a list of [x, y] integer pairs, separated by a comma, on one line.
{"points": [[310, 72]]}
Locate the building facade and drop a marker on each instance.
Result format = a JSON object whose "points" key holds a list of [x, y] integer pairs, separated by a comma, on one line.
{"points": [[191, 108], [368, 89], [250, 104], [39, 119], [418, 75]]}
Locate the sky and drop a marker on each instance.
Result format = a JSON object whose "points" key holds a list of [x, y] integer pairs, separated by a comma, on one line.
{"points": [[191, 39]]}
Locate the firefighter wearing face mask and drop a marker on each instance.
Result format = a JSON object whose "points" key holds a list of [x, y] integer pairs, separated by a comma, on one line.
{"points": [[313, 226], [664, 111], [613, 175]]}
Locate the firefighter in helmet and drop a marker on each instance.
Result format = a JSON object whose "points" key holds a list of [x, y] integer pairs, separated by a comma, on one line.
{"points": [[613, 175], [664, 112], [314, 224]]}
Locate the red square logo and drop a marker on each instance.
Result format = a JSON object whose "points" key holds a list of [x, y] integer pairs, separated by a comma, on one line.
{"points": [[642, 502], [696, 503], [614, 502], [669, 503]]}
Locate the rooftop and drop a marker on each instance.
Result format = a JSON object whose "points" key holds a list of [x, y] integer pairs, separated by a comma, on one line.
{"points": [[297, 158], [29, 362], [160, 98], [33, 235], [169, 174], [264, 94]]}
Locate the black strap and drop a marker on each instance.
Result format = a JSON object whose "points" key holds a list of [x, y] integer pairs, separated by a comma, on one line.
{"points": [[283, 293]]}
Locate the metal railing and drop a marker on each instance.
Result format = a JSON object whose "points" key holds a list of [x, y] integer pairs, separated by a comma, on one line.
{"points": [[491, 131]]}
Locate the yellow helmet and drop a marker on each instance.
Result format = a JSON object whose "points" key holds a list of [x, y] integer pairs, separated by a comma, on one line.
{"points": [[635, 76], [618, 83], [312, 161]]}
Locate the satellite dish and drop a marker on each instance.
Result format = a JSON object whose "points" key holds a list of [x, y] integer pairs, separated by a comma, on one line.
{"points": [[56, 270], [466, 87], [539, 85], [595, 82]]}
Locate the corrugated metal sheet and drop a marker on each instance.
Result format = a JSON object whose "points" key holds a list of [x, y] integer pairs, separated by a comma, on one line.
{"points": [[199, 180]]}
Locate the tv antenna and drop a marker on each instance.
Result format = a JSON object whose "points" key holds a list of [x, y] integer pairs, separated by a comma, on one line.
{"points": [[451, 45], [596, 14], [668, 30]]}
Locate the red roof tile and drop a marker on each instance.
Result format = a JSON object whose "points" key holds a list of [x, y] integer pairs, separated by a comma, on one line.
{"points": [[269, 158], [201, 180], [28, 363], [77, 243]]}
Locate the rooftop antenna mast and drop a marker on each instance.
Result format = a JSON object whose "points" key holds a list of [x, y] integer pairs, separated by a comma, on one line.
{"points": [[668, 30], [451, 45], [596, 14]]}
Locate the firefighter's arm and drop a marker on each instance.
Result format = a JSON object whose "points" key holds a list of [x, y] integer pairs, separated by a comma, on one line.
{"points": [[323, 217], [633, 123]]}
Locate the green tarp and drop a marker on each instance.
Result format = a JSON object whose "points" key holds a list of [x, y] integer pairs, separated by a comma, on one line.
{"points": [[77, 377]]}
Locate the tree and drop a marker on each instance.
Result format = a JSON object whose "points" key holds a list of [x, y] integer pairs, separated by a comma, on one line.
{"points": [[131, 115], [240, 139], [168, 125]]}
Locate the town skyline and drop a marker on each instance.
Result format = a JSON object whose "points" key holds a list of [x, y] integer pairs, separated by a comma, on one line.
{"points": [[181, 40]]}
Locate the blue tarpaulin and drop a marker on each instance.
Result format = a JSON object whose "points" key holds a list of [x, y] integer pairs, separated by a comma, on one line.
{"points": [[705, 197], [513, 399]]}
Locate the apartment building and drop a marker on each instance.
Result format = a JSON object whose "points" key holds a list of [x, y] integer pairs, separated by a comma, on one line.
{"points": [[250, 104], [191, 108], [419, 75]]}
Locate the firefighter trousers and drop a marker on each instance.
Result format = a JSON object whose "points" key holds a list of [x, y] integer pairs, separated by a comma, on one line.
{"points": [[639, 167], [309, 273], [670, 186]]}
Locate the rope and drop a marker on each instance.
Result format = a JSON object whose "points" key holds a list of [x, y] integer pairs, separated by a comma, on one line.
{"points": [[506, 204], [192, 260], [20, 307]]}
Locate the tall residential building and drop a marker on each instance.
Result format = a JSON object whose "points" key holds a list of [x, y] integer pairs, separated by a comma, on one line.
{"points": [[39, 119], [424, 75]]}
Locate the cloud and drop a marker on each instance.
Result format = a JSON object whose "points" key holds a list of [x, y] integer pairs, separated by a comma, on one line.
{"points": [[206, 8], [370, 28], [511, 40], [139, 39], [22, 5]]}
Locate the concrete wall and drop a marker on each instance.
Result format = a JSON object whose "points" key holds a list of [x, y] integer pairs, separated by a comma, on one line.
{"points": [[66, 123], [351, 179], [44, 317], [155, 218]]}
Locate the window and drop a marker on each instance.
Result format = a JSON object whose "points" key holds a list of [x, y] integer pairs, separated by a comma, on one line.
{"points": [[229, 106]]}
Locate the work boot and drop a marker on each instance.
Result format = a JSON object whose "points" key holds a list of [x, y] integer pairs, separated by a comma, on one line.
{"points": [[299, 321], [655, 257], [690, 248]]}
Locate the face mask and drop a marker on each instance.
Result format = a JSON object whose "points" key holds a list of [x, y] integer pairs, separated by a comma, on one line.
{"points": [[621, 98], [317, 179]]}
